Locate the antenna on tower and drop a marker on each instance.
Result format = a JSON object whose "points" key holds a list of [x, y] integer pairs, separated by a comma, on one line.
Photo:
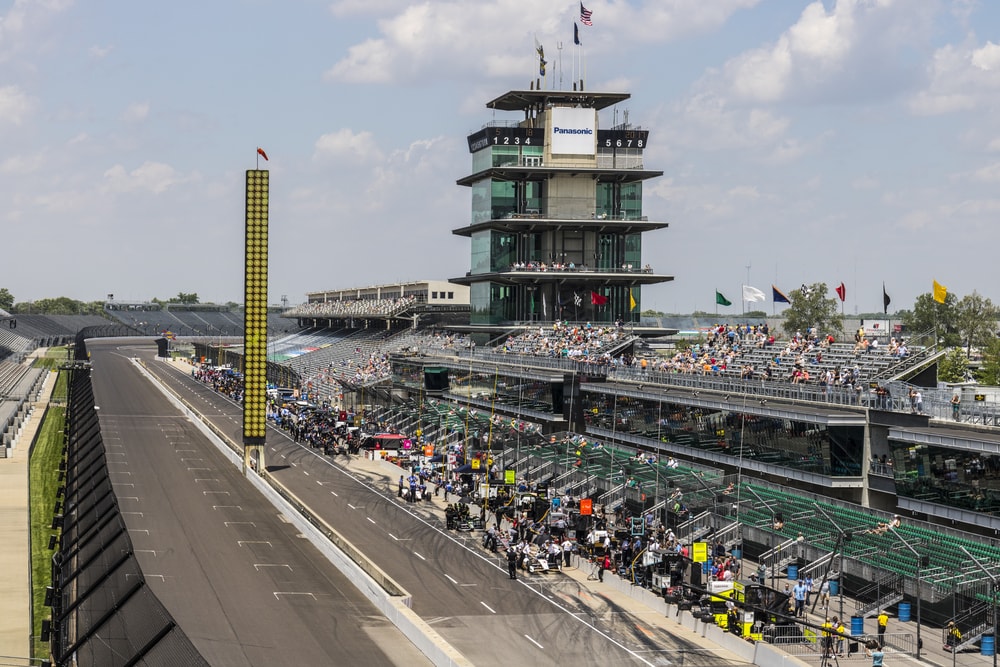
{"points": [[559, 46]]}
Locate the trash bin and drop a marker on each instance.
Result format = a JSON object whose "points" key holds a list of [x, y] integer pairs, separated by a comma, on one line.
{"points": [[904, 612], [857, 626], [987, 646], [834, 588], [793, 572]]}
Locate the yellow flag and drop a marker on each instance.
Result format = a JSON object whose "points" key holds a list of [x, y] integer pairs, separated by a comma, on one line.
{"points": [[631, 300], [940, 292]]}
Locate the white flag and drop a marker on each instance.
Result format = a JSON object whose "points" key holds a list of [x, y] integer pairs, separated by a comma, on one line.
{"points": [[752, 294]]}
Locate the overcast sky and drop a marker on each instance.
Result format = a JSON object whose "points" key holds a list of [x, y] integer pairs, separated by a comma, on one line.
{"points": [[850, 140]]}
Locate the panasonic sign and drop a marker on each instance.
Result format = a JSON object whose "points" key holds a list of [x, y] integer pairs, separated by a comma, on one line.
{"points": [[574, 131]]}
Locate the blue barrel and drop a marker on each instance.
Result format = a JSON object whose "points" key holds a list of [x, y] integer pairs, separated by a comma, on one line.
{"points": [[857, 626], [706, 567], [987, 645], [834, 588], [737, 553], [904, 612], [793, 572]]}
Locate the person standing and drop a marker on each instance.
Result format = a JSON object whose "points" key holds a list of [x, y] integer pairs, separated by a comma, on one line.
{"points": [[827, 637], [956, 407], [841, 630], [799, 593], [512, 562], [875, 651], [954, 637], [567, 549], [883, 623]]}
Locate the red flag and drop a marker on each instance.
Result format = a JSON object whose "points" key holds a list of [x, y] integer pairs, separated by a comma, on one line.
{"points": [[842, 292], [598, 299], [260, 152]]}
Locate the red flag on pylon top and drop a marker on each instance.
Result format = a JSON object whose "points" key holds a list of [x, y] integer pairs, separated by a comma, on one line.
{"points": [[842, 292], [260, 152]]}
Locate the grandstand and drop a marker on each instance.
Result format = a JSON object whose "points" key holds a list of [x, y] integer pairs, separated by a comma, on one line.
{"points": [[200, 320]]}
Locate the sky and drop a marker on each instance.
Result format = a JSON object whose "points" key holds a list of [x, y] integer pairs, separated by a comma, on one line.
{"points": [[853, 141]]}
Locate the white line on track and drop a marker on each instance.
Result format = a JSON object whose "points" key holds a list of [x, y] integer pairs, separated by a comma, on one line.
{"points": [[393, 536], [419, 556], [370, 519], [351, 506], [492, 610], [534, 642], [335, 493], [449, 578]]}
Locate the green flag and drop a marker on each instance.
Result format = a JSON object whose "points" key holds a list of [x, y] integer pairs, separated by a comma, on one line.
{"points": [[721, 300]]}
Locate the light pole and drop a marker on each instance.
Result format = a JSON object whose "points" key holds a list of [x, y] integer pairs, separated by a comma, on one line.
{"points": [[838, 549], [776, 538], [996, 589], [922, 561]]}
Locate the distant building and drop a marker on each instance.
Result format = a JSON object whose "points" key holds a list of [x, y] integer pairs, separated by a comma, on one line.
{"points": [[434, 292]]}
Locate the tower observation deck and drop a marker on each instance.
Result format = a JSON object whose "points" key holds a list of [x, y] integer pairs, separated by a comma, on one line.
{"points": [[557, 220]]}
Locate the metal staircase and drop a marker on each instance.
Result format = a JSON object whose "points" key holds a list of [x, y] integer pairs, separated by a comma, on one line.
{"points": [[884, 592], [695, 528], [973, 623], [779, 556]]}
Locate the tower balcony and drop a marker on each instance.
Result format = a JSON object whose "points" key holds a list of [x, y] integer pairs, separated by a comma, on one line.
{"points": [[541, 272]]}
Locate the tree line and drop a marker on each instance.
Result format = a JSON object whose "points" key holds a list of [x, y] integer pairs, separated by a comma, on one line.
{"points": [[65, 306]]}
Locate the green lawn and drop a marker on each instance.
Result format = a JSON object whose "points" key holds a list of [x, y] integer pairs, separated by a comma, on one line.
{"points": [[59, 390], [43, 480]]}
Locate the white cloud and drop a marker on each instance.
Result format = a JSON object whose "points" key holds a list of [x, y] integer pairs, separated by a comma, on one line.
{"points": [[347, 144], [662, 20], [15, 105], [987, 58], [494, 39], [744, 191], [24, 23], [849, 51], [154, 177], [100, 52], [960, 78], [366, 7], [988, 174], [23, 164], [707, 122], [135, 112]]}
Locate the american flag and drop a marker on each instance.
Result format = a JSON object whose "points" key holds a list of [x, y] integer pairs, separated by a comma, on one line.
{"points": [[585, 15]]}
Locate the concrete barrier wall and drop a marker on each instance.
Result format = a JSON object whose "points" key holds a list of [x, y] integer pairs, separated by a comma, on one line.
{"points": [[758, 653]]}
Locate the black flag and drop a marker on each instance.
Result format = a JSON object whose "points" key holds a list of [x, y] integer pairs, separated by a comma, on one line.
{"points": [[885, 300]]}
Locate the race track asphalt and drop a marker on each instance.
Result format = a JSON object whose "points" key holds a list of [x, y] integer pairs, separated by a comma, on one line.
{"points": [[236, 576]]}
